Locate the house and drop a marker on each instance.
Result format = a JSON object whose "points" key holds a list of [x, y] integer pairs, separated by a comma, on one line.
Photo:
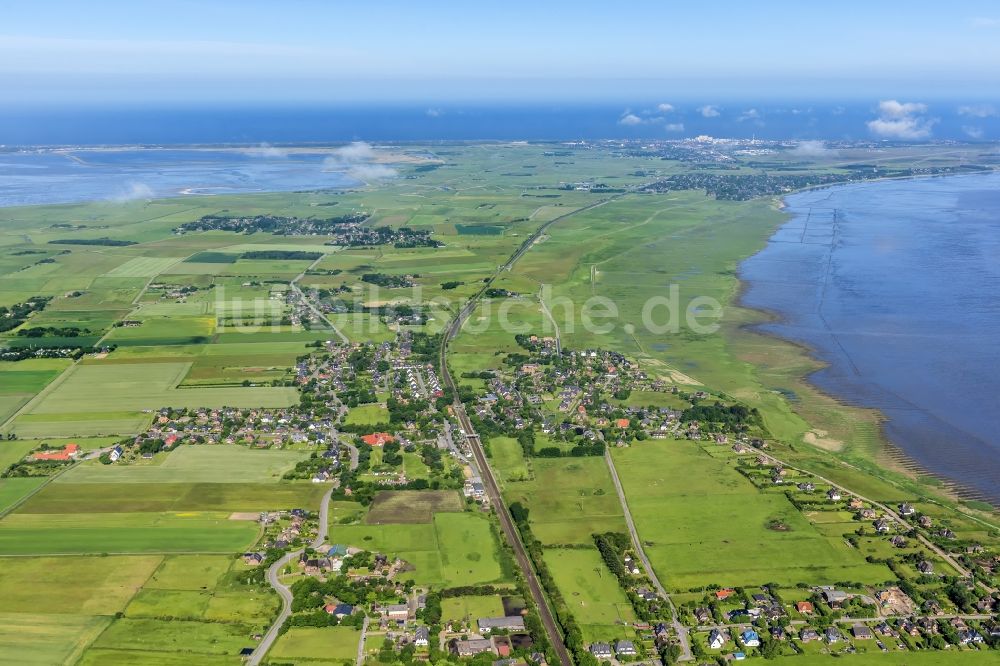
{"points": [[925, 521], [881, 526], [421, 637], [898, 541], [833, 495], [805, 607], [835, 598], [66, 453], [397, 611], [378, 439], [509, 623], [702, 615], [601, 651], [750, 638], [862, 632], [116, 453], [807, 635], [925, 567], [339, 610], [252, 559], [724, 594], [906, 509], [716, 639], [625, 649], [473, 647], [832, 635]]}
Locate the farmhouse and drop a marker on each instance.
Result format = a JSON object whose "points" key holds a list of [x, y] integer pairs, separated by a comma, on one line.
{"points": [[66, 453], [835, 598], [510, 623], [473, 647]]}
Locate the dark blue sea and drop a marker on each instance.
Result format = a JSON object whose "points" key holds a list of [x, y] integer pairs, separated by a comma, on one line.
{"points": [[895, 285], [662, 117]]}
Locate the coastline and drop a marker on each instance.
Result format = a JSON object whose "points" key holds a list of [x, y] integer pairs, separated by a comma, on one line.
{"points": [[888, 455]]}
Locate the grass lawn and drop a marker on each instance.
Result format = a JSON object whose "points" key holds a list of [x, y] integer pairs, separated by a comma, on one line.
{"points": [[508, 459], [468, 549], [703, 523], [29, 638], [412, 506], [456, 609], [320, 645], [367, 415], [138, 386], [195, 464], [73, 585], [454, 549], [176, 636], [83, 533], [12, 490], [569, 499], [189, 572], [114, 497], [591, 591]]}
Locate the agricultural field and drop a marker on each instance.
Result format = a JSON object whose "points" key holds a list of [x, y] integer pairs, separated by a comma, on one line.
{"points": [[125, 533], [320, 646], [703, 523], [591, 591], [569, 500], [446, 546], [218, 463]]}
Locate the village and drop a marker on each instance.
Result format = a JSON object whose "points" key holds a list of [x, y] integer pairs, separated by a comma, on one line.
{"points": [[556, 403]]}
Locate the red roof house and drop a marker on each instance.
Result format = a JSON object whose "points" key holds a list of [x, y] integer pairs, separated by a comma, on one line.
{"points": [[67, 452], [378, 439]]}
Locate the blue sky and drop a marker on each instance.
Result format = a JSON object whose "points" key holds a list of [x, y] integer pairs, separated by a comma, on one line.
{"points": [[320, 52]]}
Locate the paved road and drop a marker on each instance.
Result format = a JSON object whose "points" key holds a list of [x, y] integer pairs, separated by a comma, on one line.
{"points": [[361, 643], [309, 304], [285, 592], [548, 314], [355, 456], [680, 629]]}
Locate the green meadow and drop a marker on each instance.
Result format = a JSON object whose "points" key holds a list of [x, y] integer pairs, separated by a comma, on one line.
{"points": [[215, 463], [702, 523]]}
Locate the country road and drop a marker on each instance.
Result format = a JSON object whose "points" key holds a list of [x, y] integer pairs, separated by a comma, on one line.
{"points": [[682, 632], [285, 592], [309, 304]]}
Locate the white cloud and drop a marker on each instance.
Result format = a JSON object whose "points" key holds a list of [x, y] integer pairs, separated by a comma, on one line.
{"points": [[973, 132], [890, 108], [355, 152], [370, 172], [433, 113], [134, 192], [901, 120], [630, 119], [749, 114], [978, 110], [709, 111], [266, 150], [664, 107], [674, 127], [812, 149], [357, 160]]}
